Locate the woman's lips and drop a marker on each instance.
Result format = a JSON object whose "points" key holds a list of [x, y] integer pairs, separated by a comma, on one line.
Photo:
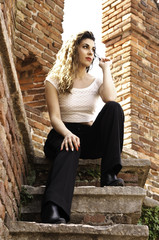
{"points": [[89, 59]]}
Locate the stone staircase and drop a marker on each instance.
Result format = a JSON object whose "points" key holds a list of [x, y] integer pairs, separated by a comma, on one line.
{"points": [[96, 214]]}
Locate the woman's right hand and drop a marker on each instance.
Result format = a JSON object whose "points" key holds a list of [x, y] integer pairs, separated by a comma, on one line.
{"points": [[70, 140]]}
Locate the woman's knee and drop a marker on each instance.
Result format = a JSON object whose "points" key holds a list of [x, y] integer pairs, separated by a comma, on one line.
{"points": [[115, 106]]}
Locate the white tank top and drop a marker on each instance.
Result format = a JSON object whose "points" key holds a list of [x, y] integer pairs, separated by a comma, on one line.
{"points": [[80, 104]]}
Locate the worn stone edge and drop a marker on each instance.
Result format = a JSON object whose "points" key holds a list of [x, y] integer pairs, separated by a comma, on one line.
{"points": [[149, 202], [125, 162], [117, 229], [91, 190]]}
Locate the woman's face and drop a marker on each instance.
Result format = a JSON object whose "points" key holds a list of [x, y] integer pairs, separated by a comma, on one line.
{"points": [[86, 51]]}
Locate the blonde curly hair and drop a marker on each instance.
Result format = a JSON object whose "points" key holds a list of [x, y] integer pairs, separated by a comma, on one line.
{"points": [[66, 64]]}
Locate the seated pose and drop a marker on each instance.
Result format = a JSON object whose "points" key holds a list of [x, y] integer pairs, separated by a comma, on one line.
{"points": [[72, 95]]}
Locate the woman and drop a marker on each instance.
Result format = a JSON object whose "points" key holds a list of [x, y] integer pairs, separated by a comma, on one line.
{"points": [[71, 95]]}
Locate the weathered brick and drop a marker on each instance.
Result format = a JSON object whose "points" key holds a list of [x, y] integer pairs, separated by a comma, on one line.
{"points": [[2, 114], [28, 98], [26, 12], [2, 191], [43, 30], [40, 120], [42, 42], [26, 25], [49, 52], [123, 3], [48, 58], [37, 32], [39, 20], [38, 1], [39, 7], [44, 17], [30, 8], [29, 20], [24, 51], [35, 124], [25, 31], [41, 133], [60, 3], [19, 54], [98, 218], [27, 86], [37, 139], [56, 14], [115, 22], [33, 50], [2, 212], [42, 61], [50, 3], [57, 26], [25, 38]]}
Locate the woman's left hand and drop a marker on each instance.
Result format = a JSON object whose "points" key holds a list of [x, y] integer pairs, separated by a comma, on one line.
{"points": [[104, 63]]}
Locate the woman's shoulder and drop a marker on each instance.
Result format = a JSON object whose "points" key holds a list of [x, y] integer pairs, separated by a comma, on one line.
{"points": [[52, 80], [90, 77], [94, 79]]}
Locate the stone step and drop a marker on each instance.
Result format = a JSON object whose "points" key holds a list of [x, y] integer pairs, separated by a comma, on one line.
{"points": [[36, 231], [134, 172], [94, 205]]}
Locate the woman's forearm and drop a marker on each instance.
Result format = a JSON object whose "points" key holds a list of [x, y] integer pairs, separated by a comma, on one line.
{"points": [[108, 88], [59, 126], [70, 140]]}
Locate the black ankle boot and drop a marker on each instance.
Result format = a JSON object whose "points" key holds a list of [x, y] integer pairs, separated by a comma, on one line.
{"points": [[110, 179], [50, 214]]}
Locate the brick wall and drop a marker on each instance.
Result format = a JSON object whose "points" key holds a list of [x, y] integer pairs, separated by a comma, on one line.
{"points": [[40, 127], [36, 37], [37, 40], [15, 139], [131, 35]]}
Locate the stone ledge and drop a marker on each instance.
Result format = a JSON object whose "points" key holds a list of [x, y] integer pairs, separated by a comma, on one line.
{"points": [[138, 166], [134, 171], [4, 232], [76, 232], [149, 202], [91, 190], [115, 204], [126, 162]]}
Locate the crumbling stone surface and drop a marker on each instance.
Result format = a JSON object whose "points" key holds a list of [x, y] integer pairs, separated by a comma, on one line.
{"points": [[115, 205], [27, 231]]}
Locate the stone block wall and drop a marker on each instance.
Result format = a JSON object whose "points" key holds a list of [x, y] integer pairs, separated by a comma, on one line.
{"points": [[131, 35], [15, 138]]}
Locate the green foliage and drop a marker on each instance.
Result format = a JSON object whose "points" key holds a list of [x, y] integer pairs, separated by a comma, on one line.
{"points": [[25, 197], [150, 217]]}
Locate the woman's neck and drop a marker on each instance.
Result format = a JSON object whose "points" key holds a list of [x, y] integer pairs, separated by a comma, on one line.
{"points": [[81, 73]]}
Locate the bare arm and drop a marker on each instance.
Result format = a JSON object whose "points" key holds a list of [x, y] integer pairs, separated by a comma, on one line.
{"points": [[55, 118], [107, 90]]}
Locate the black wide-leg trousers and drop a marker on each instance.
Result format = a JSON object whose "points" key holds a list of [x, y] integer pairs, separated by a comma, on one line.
{"points": [[104, 139]]}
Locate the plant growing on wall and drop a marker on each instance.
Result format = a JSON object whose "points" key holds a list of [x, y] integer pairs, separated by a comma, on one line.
{"points": [[150, 217]]}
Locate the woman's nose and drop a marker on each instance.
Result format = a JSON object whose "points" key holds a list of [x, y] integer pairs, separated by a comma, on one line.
{"points": [[91, 51]]}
